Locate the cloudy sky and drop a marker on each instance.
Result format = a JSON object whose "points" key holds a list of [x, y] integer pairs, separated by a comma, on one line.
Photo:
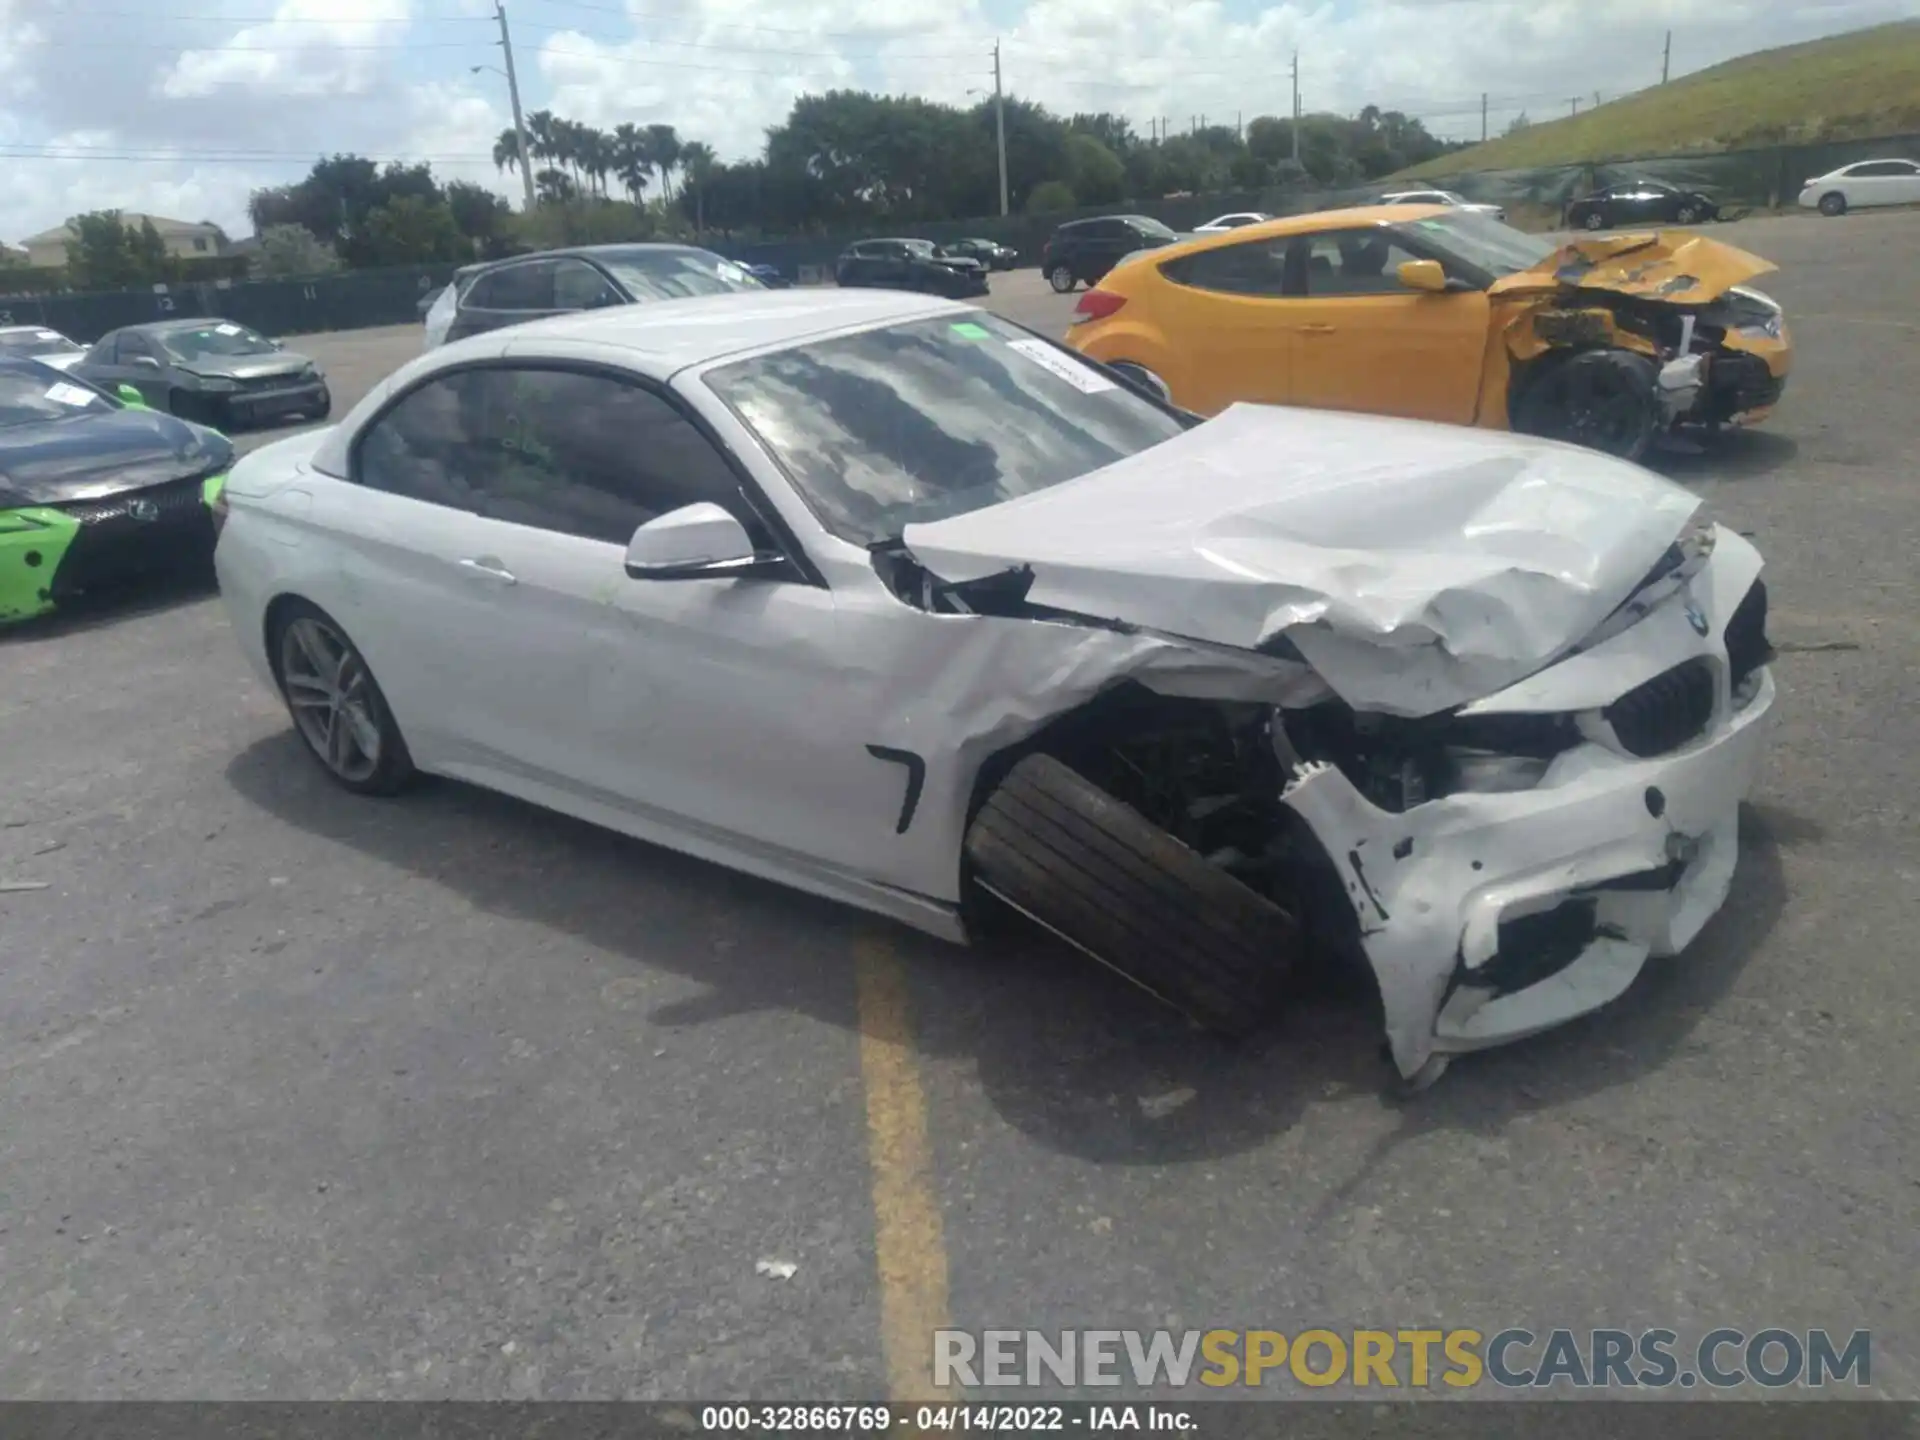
{"points": [[180, 107]]}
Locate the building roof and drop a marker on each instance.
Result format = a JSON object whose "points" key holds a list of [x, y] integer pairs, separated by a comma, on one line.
{"points": [[162, 223]]}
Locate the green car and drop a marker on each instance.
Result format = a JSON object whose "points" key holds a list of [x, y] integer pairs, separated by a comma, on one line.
{"points": [[96, 490]]}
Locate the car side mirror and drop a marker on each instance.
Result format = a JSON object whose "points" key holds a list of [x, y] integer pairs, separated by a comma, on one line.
{"points": [[695, 542], [146, 362], [1426, 276]]}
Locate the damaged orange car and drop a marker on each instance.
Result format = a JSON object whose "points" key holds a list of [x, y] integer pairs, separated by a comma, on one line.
{"points": [[1436, 313]]}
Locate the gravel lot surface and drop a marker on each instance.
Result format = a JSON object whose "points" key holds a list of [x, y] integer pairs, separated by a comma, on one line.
{"points": [[309, 1096]]}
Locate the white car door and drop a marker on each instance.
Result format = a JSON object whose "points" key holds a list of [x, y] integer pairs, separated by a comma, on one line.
{"points": [[411, 576], [1902, 182], [722, 705]]}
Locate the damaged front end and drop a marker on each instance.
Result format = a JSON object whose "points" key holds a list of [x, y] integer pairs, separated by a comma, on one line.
{"points": [[1715, 351], [1502, 823]]}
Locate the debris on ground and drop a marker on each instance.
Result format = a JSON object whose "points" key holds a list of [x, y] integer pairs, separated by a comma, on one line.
{"points": [[776, 1269], [12, 887]]}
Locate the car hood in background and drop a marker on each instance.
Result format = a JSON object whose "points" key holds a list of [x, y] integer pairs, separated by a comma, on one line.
{"points": [[1671, 265], [247, 367], [1415, 566], [93, 456]]}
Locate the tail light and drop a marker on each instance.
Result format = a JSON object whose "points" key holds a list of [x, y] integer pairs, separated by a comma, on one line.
{"points": [[1097, 305]]}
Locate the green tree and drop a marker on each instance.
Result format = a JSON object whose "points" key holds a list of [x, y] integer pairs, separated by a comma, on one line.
{"points": [[480, 214], [1094, 173], [288, 251], [1049, 197], [697, 164], [410, 230], [106, 253]]}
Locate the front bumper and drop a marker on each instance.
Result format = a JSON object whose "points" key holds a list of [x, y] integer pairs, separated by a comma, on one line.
{"points": [[1489, 917], [50, 554], [255, 406]]}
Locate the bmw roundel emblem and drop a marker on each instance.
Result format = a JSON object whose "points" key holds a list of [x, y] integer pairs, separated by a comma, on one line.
{"points": [[1696, 617], [147, 511]]}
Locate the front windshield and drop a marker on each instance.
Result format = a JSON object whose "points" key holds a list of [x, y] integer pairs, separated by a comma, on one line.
{"points": [[35, 342], [1483, 242], [920, 247], [933, 418], [36, 394], [224, 339], [675, 274], [1151, 226]]}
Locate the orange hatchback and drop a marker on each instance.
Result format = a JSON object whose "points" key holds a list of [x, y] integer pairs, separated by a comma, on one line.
{"points": [[1435, 313]]}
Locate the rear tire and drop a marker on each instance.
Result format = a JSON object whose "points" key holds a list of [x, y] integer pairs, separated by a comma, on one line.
{"points": [[1062, 279], [1686, 215], [1594, 220], [1099, 875], [1603, 400], [1833, 203], [337, 707]]}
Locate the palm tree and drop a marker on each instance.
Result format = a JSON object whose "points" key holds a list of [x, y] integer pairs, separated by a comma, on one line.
{"points": [[542, 135], [555, 186], [627, 152], [597, 156], [696, 163], [663, 148], [506, 150]]}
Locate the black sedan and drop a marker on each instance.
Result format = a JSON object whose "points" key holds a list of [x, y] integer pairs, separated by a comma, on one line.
{"points": [[212, 371], [910, 265], [1640, 202], [95, 491], [989, 253]]}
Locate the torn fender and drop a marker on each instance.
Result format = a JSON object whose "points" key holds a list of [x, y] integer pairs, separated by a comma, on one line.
{"points": [[1671, 265], [1414, 566]]}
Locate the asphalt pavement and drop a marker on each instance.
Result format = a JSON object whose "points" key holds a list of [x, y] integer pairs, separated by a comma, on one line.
{"points": [[310, 1096]]}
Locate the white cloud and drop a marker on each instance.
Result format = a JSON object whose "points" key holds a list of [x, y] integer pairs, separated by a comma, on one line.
{"points": [[309, 48], [199, 111]]}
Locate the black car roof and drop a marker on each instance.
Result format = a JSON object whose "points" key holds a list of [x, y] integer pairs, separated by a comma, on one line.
{"points": [[583, 252]]}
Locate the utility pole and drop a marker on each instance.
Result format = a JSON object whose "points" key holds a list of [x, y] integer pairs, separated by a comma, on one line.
{"points": [[1666, 57], [1296, 107], [1239, 124], [1483, 117], [1000, 126], [513, 94]]}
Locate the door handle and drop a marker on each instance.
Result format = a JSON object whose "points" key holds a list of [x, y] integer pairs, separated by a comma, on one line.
{"points": [[1316, 329], [491, 568]]}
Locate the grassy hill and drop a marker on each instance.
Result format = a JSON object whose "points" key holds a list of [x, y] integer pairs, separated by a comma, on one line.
{"points": [[1845, 86]]}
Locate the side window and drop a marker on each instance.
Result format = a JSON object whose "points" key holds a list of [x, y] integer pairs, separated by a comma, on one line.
{"points": [[1355, 262], [132, 346], [558, 450], [518, 287], [1253, 267], [578, 286]]}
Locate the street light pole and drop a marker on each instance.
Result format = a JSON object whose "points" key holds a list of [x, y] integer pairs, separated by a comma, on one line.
{"points": [[1296, 107], [513, 94], [1000, 126]]}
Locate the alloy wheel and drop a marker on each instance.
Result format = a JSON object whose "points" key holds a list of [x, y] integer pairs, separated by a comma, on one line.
{"points": [[332, 698]]}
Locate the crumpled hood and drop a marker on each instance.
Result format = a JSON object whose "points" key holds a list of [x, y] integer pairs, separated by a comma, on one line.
{"points": [[1415, 566], [247, 367], [1672, 265], [93, 456]]}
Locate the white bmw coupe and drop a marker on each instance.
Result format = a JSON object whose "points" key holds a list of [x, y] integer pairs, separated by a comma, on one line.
{"points": [[889, 599]]}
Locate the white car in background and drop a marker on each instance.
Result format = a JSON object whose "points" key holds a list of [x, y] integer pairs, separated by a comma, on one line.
{"points": [[1442, 197], [36, 342], [1220, 224], [889, 599], [1864, 184]]}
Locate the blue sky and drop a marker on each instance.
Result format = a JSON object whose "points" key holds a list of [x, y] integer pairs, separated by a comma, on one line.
{"points": [[180, 107]]}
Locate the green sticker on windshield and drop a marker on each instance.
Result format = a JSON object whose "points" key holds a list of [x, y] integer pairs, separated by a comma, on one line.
{"points": [[967, 330]]}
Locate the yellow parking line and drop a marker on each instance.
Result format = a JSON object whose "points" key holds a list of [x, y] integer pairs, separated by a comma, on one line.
{"points": [[908, 1241]]}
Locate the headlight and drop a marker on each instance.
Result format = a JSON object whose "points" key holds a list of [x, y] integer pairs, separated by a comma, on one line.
{"points": [[217, 384], [1485, 772]]}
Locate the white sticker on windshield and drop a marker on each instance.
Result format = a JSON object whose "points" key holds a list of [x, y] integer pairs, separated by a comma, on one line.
{"points": [[1081, 377], [732, 272], [226, 329], [65, 394], [47, 335]]}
